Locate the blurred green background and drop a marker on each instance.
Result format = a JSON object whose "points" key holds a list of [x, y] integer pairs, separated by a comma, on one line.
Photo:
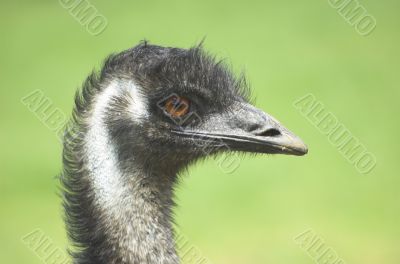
{"points": [[288, 49]]}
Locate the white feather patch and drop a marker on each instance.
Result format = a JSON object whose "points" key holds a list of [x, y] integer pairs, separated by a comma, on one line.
{"points": [[102, 156], [139, 106]]}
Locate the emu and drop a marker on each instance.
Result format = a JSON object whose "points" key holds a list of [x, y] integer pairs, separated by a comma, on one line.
{"points": [[137, 124]]}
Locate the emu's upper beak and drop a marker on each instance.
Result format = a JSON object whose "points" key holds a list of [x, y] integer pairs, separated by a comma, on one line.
{"points": [[246, 128]]}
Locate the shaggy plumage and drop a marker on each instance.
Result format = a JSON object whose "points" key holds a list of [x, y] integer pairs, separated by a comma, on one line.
{"points": [[123, 152]]}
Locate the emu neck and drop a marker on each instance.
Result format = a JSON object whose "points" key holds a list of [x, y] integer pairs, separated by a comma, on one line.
{"points": [[132, 205]]}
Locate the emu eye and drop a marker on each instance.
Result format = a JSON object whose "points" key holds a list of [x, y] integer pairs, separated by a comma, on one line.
{"points": [[177, 106]]}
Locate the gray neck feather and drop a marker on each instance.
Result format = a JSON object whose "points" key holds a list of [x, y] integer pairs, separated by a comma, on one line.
{"points": [[124, 212]]}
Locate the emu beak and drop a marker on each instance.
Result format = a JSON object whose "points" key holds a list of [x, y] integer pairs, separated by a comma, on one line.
{"points": [[246, 128]]}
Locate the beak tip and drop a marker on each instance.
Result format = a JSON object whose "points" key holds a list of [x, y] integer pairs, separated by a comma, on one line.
{"points": [[300, 148], [304, 150], [297, 146]]}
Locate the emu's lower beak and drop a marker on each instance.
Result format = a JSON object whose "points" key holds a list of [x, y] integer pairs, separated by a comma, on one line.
{"points": [[246, 128]]}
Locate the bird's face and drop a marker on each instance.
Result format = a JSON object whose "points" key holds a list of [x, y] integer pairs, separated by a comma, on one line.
{"points": [[195, 124], [195, 107], [238, 127]]}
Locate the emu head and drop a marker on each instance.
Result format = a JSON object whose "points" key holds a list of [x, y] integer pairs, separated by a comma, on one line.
{"points": [[179, 105]]}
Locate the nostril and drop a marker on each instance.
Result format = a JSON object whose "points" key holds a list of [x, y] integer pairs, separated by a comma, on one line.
{"points": [[272, 132]]}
